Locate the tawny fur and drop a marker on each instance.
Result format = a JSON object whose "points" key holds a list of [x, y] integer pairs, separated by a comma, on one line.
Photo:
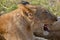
{"points": [[16, 25]]}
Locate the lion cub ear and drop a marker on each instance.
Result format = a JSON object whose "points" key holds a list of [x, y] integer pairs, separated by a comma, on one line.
{"points": [[27, 11], [33, 8], [31, 11]]}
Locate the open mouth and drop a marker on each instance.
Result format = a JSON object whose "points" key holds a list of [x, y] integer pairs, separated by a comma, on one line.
{"points": [[45, 27], [46, 30]]}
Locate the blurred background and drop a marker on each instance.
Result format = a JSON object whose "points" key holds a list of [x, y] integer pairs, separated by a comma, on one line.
{"points": [[9, 5]]}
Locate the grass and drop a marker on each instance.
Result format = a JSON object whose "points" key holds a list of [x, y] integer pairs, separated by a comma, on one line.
{"points": [[52, 5]]}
